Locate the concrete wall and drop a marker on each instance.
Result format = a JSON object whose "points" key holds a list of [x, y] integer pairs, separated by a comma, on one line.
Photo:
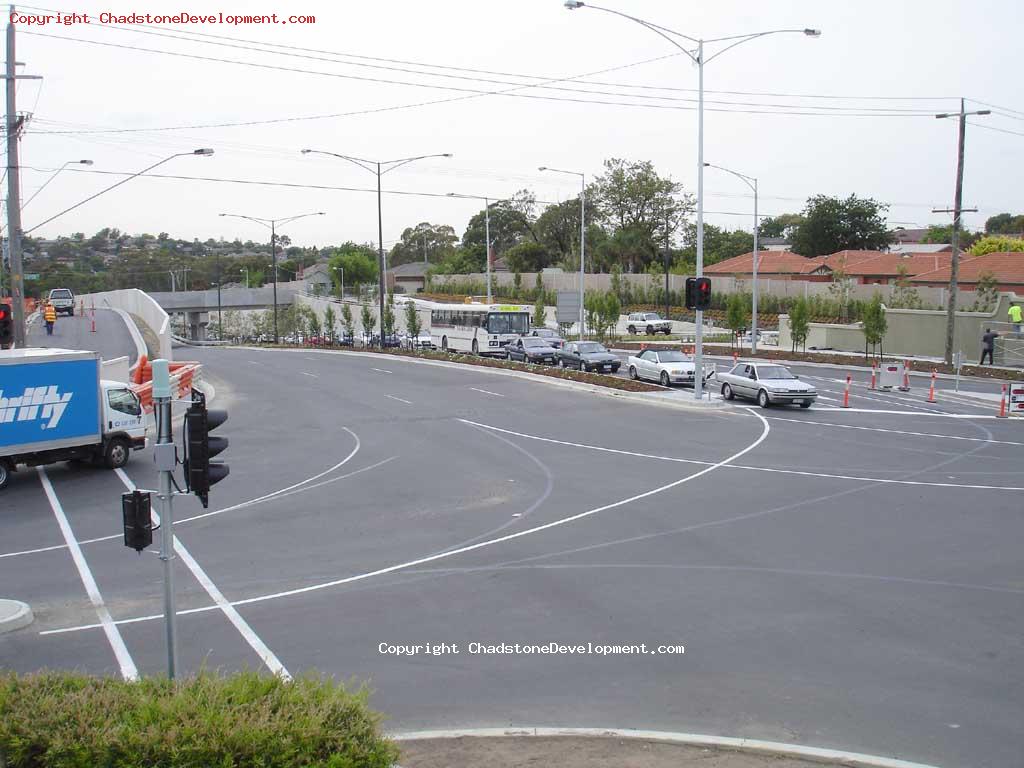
{"points": [[232, 298], [917, 332], [141, 305], [320, 304]]}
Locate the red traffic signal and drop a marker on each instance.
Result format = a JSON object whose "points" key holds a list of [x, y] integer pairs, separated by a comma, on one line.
{"points": [[6, 325], [698, 293]]}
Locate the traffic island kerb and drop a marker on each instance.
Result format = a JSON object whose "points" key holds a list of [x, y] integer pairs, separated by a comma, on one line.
{"points": [[14, 615]]}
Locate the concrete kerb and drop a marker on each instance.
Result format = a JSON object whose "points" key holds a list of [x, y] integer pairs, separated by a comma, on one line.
{"points": [[14, 615], [755, 746], [665, 399]]}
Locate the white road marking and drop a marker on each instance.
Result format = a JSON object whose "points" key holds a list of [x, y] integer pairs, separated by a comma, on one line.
{"points": [[273, 663], [461, 550], [487, 392], [407, 402], [895, 431], [124, 659], [923, 413], [240, 505], [254, 362], [311, 375], [380, 370]]}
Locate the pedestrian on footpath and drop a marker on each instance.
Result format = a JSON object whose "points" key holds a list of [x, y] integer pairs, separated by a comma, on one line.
{"points": [[1015, 316], [988, 342], [49, 317]]}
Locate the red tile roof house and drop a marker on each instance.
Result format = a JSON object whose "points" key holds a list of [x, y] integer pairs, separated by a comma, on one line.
{"points": [[884, 269], [1007, 268], [774, 265]]}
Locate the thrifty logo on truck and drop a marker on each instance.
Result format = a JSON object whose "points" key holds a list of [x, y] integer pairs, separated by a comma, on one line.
{"points": [[43, 404]]}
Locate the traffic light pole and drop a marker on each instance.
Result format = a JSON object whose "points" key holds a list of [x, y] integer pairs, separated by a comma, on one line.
{"points": [[166, 462]]}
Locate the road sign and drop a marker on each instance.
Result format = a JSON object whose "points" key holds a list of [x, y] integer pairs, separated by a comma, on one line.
{"points": [[567, 310], [1017, 398], [31, 276]]}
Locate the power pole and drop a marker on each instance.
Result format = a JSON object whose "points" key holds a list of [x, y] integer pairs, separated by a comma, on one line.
{"points": [[954, 264], [14, 124], [666, 263]]}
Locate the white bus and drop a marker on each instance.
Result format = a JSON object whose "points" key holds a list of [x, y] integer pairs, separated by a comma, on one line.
{"points": [[483, 329]]}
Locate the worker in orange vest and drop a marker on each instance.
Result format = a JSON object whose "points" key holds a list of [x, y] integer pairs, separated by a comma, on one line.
{"points": [[49, 317]]}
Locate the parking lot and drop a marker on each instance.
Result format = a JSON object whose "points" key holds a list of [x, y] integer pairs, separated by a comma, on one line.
{"points": [[810, 561]]}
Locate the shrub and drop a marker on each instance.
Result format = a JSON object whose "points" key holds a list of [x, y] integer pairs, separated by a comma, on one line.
{"points": [[65, 720]]}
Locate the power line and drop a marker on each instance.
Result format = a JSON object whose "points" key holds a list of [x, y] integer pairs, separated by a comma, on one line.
{"points": [[994, 128]]}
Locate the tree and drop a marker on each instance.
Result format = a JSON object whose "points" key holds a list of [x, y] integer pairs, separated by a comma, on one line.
{"points": [[517, 284], [719, 244], [433, 241], [799, 323], [347, 321], [329, 323], [736, 314], [996, 244], [944, 234], [511, 221], [366, 319], [538, 287], [388, 322], [986, 293], [314, 324], [904, 295], [1004, 224], [781, 225], [359, 263], [610, 310], [558, 227], [831, 224], [874, 323], [412, 320], [841, 289], [527, 256], [539, 310]]}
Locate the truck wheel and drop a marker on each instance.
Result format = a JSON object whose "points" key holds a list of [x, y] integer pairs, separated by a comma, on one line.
{"points": [[116, 453], [5, 474], [444, 343], [476, 348]]}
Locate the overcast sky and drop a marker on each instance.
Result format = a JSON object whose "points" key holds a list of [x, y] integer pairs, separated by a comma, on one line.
{"points": [[920, 55]]}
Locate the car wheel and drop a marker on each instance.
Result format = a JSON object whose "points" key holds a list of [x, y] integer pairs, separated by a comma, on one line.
{"points": [[560, 363], [664, 379], [727, 392], [632, 330], [116, 454], [762, 399], [805, 405], [650, 330], [508, 355], [632, 373], [476, 349], [444, 343], [583, 366]]}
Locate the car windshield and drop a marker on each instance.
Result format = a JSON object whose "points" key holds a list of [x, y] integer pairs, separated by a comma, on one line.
{"points": [[673, 357], [651, 316], [534, 342], [508, 322], [590, 347], [773, 372]]}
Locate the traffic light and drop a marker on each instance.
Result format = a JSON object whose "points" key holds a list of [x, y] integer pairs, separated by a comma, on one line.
{"points": [[698, 293], [200, 472], [6, 326], [138, 523]]}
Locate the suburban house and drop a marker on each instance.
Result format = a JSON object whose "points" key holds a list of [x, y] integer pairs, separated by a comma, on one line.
{"points": [[774, 265], [409, 278], [884, 269], [863, 267], [1006, 268], [317, 279]]}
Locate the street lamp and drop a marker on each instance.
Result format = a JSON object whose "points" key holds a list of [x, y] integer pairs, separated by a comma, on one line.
{"points": [[954, 263], [487, 234], [378, 168], [342, 270], [52, 177], [220, 318], [583, 224], [751, 182], [696, 55], [272, 224]]}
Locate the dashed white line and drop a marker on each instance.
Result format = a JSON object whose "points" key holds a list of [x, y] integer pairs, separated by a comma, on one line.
{"points": [[273, 663], [407, 402], [487, 392], [311, 375], [380, 370], [124, 659]]}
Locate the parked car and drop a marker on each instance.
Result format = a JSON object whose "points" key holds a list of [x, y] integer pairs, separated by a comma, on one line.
{"points": [[346, 340], [587, 356], [767, 383], [649, 323], [422, 341], [390, 340], [63, 301], [550, 336], [666, 366], [531, 349]]}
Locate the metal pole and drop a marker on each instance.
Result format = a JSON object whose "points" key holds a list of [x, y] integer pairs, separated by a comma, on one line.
{"points": [[666, 266], [220, 318], [954, 264], [14, 195], [487, 237], [165, 496], [583, 239], [757, 256], [380, 260], [273, 257], [698, 336]]}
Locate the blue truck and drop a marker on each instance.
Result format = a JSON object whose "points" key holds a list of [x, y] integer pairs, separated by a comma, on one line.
{"points": [[54, 406]]}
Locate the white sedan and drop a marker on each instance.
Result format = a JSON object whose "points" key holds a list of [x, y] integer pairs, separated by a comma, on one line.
{"points": [[665, 366], [767, 383]]}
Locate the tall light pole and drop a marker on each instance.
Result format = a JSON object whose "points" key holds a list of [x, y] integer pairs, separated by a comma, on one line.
{"points": [[751, 182], [272, 224], [342, 270], [52, 177], [487, 235], [583, 223], [696, 55], [378, 168], [954, 263]]}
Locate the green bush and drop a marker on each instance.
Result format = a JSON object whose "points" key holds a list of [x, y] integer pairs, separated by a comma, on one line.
{"points": [[64, 720]]}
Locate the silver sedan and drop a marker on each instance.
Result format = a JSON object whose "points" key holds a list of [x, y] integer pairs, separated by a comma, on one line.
{"points": [[767, 383]]}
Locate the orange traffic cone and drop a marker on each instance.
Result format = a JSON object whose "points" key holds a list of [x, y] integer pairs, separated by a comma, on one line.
{"points": [[1002, 405], [906, 377], [846, 394], [931, 389]]}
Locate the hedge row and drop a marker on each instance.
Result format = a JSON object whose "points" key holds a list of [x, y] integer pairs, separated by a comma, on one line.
{"points": [[67, 720]]}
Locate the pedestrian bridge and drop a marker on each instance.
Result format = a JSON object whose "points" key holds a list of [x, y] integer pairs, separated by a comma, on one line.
{"points": [[230, 298]]}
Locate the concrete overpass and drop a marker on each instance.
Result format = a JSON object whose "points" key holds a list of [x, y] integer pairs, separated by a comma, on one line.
{"points": [[197, 305]]}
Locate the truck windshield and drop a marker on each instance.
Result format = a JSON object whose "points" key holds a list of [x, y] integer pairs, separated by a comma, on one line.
{"points": [[123, 401]]}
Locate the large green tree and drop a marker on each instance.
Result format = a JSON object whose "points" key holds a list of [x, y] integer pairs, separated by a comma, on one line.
{"points": [[511, 221], [833, 224], [781, 225], [1004, 224], [944, 234], [358, 261], [433, 242], [719, 245]]}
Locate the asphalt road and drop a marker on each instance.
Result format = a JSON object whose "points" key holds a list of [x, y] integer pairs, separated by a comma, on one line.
{"points": [[111, 337], [842, 578]]}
